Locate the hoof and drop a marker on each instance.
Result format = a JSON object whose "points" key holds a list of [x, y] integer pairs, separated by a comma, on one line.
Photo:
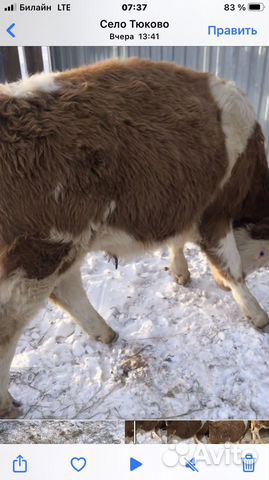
{"points": [[115, 339], [261, 321], [108, 338], [11, 409], [15, 403], [13, 413], [182, 278], [223, 287]]}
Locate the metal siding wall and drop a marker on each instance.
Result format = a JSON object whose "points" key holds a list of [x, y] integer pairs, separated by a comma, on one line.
{"points": [[247, 66]]}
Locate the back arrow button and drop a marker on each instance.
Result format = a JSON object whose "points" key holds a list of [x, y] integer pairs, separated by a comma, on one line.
{"points": [[9, 30]]}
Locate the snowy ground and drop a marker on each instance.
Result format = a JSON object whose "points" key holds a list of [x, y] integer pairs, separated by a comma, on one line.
{"points": [[50, 431], [182, 352]]}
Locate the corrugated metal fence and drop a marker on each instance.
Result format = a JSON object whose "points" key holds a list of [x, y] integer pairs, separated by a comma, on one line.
{"points": [[247, 66]]}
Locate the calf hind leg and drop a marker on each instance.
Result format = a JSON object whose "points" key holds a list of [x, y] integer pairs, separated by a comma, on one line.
{"points": [[227, 267], [71, 296]]}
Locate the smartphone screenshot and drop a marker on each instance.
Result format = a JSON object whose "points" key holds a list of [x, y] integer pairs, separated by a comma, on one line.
{"points": [[134, 239]]}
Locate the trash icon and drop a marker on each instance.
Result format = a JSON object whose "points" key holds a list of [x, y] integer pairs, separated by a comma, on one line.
{"points": [[249, 463]]}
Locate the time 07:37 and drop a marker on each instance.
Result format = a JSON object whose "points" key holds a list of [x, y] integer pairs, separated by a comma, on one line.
{"points": [[134, 6]]}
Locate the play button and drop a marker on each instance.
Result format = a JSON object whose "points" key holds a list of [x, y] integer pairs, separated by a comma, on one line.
{"points": [[134, 464]]}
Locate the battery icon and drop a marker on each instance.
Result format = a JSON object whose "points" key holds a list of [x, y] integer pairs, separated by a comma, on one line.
{"points": [[256, 6]]}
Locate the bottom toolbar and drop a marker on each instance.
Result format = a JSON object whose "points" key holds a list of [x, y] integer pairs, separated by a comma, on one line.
{"points": [[124, 462]]}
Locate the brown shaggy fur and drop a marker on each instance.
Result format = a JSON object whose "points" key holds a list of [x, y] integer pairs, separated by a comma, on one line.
{"points": [[121, 131], [38, 258], [183, 429], [120, 134], [227, 431]]}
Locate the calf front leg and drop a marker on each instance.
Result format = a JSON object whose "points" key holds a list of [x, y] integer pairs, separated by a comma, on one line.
{"points": [[179, 265], [255, 434], [70, 295], [227, 266], [28, 273], [20, 299]]}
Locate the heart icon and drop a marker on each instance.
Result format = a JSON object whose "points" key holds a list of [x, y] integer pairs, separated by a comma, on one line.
{"points": [[78, 463]]}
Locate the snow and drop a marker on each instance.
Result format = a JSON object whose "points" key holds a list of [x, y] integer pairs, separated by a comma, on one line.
{"points": [[183, 352], [50, 431]]}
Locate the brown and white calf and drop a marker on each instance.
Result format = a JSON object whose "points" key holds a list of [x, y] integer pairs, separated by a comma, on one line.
{"points": [[124, 156], [217, 432], [256, 427]]}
